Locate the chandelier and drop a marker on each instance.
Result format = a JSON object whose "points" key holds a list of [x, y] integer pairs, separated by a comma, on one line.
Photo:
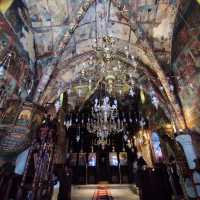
{"points": [[106, 65], [105, 109], [119, 79], [105, 120]]}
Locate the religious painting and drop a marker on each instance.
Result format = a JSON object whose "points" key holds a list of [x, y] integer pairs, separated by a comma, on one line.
{"points": [[24, 118], [4, 40], [9, 115], [113, 159], [92, 159], [37, 119], [21, 58], [17, 67], [18, 15], [123, 158], [44, 44], [195, 51]]}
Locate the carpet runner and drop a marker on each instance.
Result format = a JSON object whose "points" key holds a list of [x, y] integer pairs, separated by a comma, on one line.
{"points": [[102, 193]]}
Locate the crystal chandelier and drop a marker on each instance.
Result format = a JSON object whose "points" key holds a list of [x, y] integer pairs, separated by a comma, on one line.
{"points": [[113, 65], [154, 98], [105, 110], [105, 119], [119, 77]]}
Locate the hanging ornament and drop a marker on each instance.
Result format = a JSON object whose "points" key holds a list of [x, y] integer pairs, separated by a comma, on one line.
{"points": [[125, 137], [90, 85], [142, 123], [124, 120], [57, 105], [171, 87], [161, 88], [142, 96], [2, 71], [155, 102], [68, 123], [82, 121], [61, 99], [154, 99], [78, 138], [131, 92]]}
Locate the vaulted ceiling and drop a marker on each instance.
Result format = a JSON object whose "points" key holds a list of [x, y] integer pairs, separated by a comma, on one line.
{"points": [[65, 32]]}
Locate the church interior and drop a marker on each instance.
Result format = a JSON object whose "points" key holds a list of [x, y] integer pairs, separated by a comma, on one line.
{"points": [[100, 99]]}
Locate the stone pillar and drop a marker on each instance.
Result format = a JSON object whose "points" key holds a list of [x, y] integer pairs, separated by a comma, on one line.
{"points": [[185, 140]]}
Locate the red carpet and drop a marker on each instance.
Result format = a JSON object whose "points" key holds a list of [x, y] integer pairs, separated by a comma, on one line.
{"points": [[102, 193]]}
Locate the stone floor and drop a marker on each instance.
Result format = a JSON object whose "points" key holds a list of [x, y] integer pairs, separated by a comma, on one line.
{"points": [[118, 192]]}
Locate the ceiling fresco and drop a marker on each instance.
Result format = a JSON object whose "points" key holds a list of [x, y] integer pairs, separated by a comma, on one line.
{"points": [[101, 18], [186, 67], [16, 52], [56, 38]]}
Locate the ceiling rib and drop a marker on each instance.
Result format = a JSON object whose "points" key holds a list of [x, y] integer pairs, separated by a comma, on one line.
{"points": [[85, 5], [144, 44]]}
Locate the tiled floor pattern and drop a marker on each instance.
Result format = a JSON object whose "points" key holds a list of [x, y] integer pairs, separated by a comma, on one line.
{"points": [[87, 192]]}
